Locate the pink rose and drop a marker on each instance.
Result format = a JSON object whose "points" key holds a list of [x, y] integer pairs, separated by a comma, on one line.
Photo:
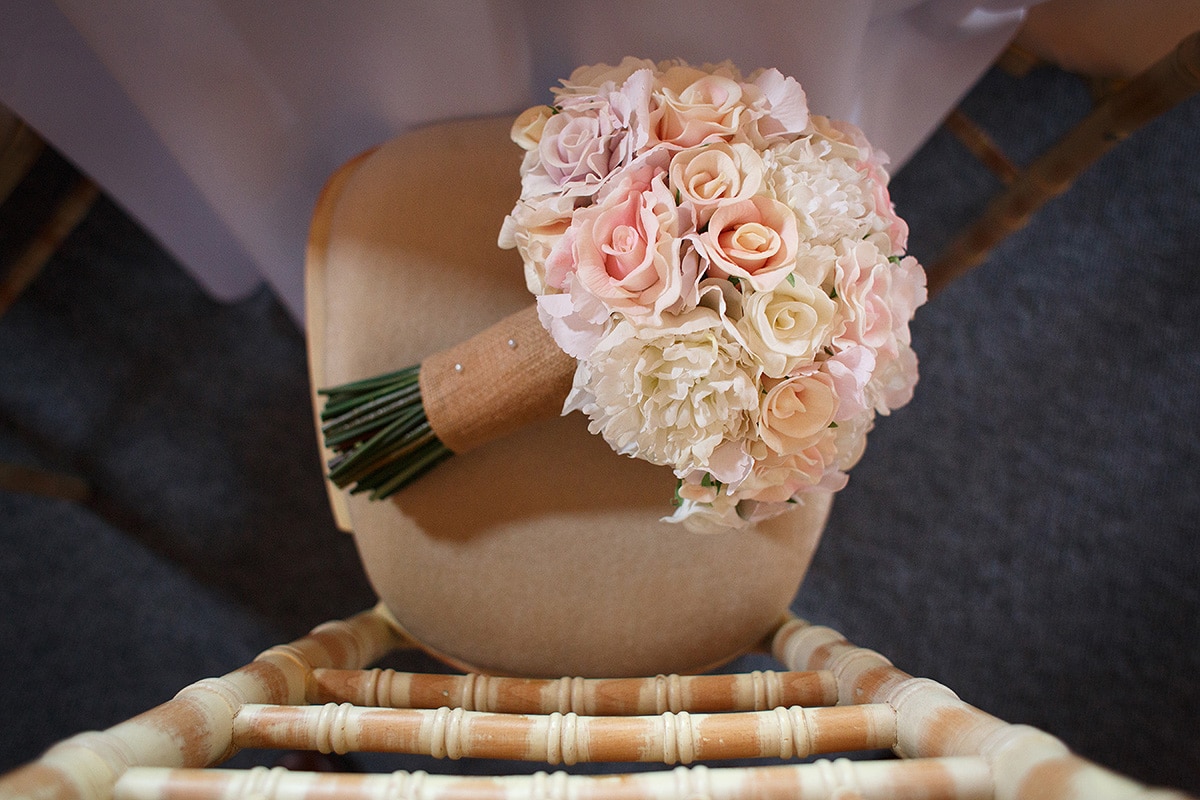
{"points": [[626, 250], [595, 133], [850, 370], [754, 240], [907, 294], [785, 102], [576, 149], [862, 286], [872, 164], [895, 380], [897, 228], [878, 297], [777, 478]]}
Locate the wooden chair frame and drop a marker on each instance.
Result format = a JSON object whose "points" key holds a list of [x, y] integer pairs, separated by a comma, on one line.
{"points": [[1161, 87], [315, 693]]}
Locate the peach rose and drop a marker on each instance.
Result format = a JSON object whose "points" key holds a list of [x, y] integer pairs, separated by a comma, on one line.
{"points": [[796, 413], [754, 240], [697, 107], [708, 175]]}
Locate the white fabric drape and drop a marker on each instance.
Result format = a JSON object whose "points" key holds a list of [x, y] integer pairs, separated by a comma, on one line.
{"points": [[215, 122]]}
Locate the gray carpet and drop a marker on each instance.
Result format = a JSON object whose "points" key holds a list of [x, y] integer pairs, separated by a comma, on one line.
{"points": [[1025, 531]]}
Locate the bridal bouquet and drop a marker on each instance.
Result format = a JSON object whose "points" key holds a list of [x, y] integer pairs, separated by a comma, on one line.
{"points": [[721, 287], [728, 272]]}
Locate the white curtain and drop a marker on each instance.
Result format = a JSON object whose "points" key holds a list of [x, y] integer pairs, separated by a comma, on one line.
{"points": [[214, 123]]}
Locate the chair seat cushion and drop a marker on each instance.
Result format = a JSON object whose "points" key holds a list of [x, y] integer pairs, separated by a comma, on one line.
{"points": [[542, 553]]}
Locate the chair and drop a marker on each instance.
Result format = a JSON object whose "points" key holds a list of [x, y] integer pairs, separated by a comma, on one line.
{"points": [[20, 149], [1157, 89], [316, 693]]}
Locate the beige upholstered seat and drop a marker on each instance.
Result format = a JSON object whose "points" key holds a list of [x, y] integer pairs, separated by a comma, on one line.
{"points": [[542, 553]]}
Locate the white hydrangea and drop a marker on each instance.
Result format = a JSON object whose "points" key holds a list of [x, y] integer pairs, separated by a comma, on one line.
{"points": [[826, 191], [670, 395]]}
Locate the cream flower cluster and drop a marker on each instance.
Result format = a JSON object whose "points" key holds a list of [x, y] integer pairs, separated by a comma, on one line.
{"points": [[727, 269]]}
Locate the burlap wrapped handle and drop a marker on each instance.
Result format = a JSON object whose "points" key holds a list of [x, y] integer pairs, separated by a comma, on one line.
{"points": [[495, 383]]}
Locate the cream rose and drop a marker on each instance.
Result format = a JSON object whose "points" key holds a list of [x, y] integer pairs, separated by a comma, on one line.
{"points": [[588, 81], [787, 326], [754, 240], [797, 412], [535, 229], [708, 175], [851, 439], [527, 128], [721, 514]]}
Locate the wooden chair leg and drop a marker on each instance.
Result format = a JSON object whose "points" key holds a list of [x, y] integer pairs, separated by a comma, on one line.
{"points": [[67, 215], [1160, 88], [20, 148], [982, 146], [27, 480]]}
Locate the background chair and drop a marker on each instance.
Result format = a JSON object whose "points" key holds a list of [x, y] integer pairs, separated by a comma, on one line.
{"points": [[20, 148], [1124, 109]]}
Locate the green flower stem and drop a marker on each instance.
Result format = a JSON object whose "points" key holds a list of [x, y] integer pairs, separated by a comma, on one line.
{"points": [[379, 433]]}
